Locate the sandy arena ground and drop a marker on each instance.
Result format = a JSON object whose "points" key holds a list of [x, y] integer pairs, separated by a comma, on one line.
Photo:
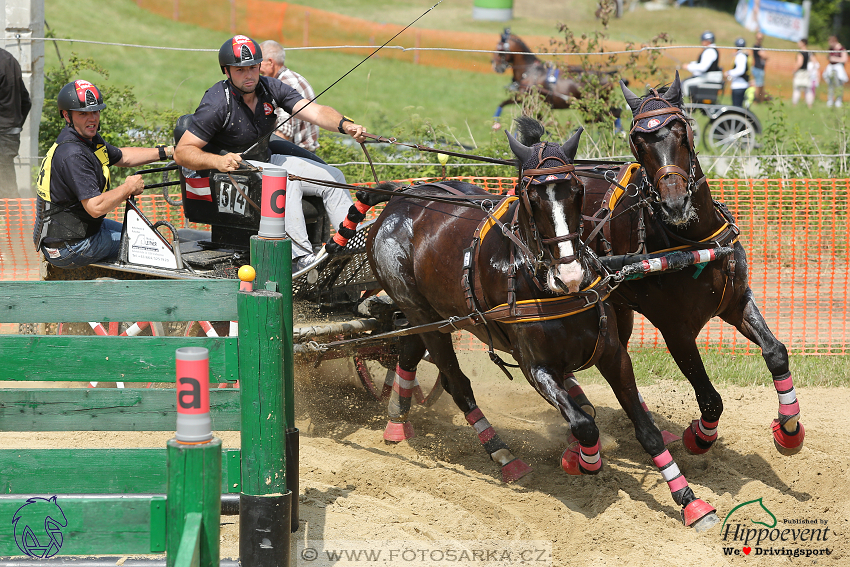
{"points": [[441, 485]]}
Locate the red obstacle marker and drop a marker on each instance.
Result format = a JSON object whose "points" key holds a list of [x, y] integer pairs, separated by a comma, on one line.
{"points": [[273, 207], [193, 396]]}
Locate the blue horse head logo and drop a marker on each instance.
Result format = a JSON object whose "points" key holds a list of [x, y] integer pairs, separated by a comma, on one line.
{"points": [[38, 527]]}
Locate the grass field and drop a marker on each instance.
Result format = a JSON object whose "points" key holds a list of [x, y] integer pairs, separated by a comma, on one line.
{"points": [[381, 93], [740, 370]]}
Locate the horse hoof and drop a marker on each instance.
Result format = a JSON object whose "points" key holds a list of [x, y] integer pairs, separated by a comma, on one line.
{"points": [[398, 431], [699, 515], [692, 443], [515, 470], [787, 444], [571, 465]]}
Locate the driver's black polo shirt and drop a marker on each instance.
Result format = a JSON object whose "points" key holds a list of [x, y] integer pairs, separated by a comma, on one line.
{"points": [[243, 128]]}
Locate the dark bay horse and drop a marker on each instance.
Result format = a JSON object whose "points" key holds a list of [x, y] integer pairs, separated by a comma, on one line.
{"points": [[670, 207], [559, 87], [516, 275]]}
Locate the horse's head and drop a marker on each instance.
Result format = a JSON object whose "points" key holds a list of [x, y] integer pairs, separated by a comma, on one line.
{"points": [[500, 60], [551, 195], [662, 141]]}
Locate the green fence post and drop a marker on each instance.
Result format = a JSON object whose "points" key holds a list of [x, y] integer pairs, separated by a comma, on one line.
{"points": [[272, 259], [265, 502], [193, 463]]}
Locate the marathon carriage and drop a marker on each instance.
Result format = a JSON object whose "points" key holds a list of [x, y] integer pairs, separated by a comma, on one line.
{"points": [[728, 125], [334, 298]]}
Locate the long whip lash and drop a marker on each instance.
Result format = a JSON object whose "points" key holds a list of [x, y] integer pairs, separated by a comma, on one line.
{"points": [[341, 78]]}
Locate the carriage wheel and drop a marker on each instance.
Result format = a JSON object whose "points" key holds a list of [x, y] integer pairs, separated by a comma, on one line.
{"points": [[376, 372], [730, 129]]}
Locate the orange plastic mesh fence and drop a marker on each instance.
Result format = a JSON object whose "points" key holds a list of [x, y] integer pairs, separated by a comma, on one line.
{"points": [[796, 233]]}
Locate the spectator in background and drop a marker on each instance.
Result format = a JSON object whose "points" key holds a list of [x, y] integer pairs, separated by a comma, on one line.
{"points": [[14, 107], [835, 74], [758, 67], [739, 75], [299, 132], [802, 76]]}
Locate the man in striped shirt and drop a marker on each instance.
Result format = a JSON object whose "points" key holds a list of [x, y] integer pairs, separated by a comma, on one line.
{"points": [[299, 132]]}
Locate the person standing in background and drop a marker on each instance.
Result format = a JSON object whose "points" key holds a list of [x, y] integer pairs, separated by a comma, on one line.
{"points": [[759, 61], [739, 75], [835, 74], [15, 105], [802, 79], [299, 132]]}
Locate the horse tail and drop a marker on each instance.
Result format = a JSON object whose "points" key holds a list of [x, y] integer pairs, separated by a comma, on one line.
{"points": [[357, 212], [529, 130]]}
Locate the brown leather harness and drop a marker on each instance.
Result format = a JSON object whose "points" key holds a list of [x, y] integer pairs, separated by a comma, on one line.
{"points": [[532, 310], [648, 194]]}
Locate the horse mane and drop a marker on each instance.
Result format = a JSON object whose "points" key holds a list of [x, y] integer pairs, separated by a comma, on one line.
{"points": [[529, 130], [520, 42]]}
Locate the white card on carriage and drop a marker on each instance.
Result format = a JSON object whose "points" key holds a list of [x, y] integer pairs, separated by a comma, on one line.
{"points": [[145, 245]]}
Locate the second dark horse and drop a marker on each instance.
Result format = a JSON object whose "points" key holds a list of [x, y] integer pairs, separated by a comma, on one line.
{"points": [[514, 274], [669, 206]]}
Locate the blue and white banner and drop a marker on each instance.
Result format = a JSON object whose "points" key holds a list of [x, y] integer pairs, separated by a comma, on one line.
{"points": [[776, 19]]}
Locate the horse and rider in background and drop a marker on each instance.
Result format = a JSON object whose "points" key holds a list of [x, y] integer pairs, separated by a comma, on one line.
{"points": [[559, 86]]}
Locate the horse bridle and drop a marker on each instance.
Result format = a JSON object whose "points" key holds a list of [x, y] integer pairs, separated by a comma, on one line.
{"points": [[665, 170], [527, 177]]}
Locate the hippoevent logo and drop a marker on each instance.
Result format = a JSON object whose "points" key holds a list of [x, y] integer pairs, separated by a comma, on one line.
{"points": [[752, 529], [38, 527]]}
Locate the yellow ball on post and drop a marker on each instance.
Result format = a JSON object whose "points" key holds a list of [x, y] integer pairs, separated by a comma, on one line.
{"points": [[247, 274]]}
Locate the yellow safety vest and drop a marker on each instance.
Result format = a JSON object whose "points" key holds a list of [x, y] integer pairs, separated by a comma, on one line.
{"points": [[43, 181]]}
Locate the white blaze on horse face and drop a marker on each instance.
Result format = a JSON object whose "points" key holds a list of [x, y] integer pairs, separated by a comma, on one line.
{"points": [[570, 274]]}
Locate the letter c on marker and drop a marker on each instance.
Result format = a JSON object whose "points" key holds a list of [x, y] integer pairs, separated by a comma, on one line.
{"points": [[274, 199]]}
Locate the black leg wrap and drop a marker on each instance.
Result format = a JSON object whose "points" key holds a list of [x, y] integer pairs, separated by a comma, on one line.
{"points": [[347, 233], [494, 444], [684, 496], [355, 216], [292, 445], [373, 199], [264, 529], [333, 248]]}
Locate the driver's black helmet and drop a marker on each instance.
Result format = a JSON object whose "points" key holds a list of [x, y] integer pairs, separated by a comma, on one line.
{"points": [[740, 42], [81, 96], [707, 36], [239, 51]]}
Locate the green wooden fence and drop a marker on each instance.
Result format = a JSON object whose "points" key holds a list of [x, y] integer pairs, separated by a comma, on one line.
{"points": [[114, 500]]}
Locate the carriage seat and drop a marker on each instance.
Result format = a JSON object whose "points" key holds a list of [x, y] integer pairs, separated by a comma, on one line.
{"points": [[706, 88], [232, 223]]}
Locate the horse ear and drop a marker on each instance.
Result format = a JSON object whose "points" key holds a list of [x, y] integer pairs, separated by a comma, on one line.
{"points": [[674, 93], [631, 98], [570, 147], [520, 150]]}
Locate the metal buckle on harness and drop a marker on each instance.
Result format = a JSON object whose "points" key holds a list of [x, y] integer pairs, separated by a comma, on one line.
{"points": [[587, 294]]}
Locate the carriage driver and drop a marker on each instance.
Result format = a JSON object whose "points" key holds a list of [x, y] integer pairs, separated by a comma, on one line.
{"points": [[73, 184], [707, 69], [235, 113]]}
